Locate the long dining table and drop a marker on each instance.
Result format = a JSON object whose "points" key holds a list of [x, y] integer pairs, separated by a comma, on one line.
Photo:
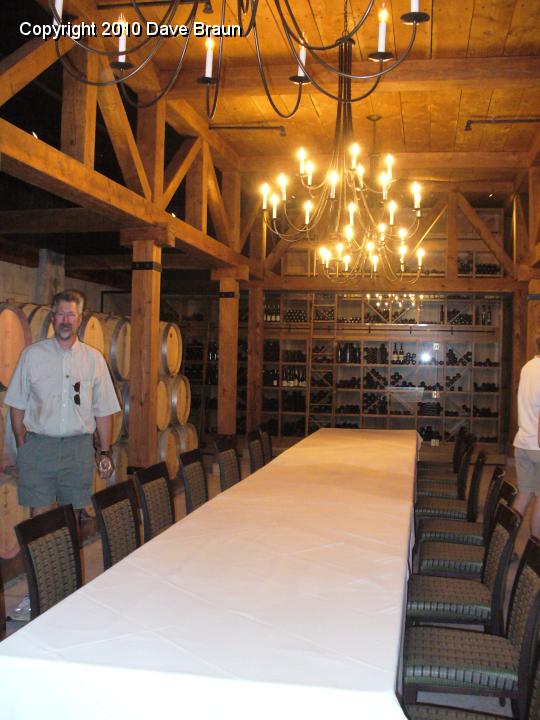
{"points": [[282, 597]]}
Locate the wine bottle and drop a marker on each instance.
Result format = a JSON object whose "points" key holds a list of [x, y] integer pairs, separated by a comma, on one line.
{"points": [[401, 354], [395, 355]]}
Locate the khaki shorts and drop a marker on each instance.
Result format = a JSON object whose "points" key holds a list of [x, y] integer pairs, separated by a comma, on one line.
{"points": [[55, 469], [528, 470]]}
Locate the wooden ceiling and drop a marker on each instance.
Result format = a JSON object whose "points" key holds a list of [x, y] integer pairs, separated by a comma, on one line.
{"points": [[475, 59]]}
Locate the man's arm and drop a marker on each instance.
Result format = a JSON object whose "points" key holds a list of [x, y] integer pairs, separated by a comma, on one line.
{"points": [[104, 428], [538, 431], [17, 418]]}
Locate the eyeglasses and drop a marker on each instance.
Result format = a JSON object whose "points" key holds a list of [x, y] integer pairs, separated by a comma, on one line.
{"points": [[77, 397], [71, 316]]}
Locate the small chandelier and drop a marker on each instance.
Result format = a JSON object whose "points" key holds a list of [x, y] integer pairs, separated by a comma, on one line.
{"points": [[147, 36], [351, 210]]}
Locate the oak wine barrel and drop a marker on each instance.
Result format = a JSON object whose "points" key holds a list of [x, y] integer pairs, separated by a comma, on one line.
{"points": [[39, 319], [171, 348], [91, 332], [169, 449], [117, 427], [120, 459], [11, 513], [123, 392], [163, 405], [180, 392], [189, 439], [117, 337], [15, 335]]}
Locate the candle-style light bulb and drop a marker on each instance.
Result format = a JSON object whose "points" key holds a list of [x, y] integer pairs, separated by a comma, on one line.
{"points": [[383, 19], [420, 255], [339, 250], [360, 170], [209, 44], [375, 262], [355, 151], [392, 207], [389, 163], [352, 210], [282, 183], [302, 160], [402, 234], [346, 262], [59, 7], [349, 233], [381, 227], [122, 39], [383, 179], [265, 191], [302, 64], [370, 248], [309, 170], [415, 6], [274, 200], [416, 190], [308, 206], [333, 179]]}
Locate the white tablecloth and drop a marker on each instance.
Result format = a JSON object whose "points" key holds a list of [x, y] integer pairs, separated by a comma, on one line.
{"points": [[280, 598]]}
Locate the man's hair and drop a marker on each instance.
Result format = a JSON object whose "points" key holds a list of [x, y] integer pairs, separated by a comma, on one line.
{"points": [[538, 343], [69, 296]]}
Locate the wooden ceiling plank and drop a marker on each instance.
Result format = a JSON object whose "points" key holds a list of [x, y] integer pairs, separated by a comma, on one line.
{"points": [[523, 37], [121, 136], [451, 26], [26, 63], [521, 136], [444, 111], [178, 167], [473, 103], [493, 245], [503, 103], [490, 26], [415, 118]]}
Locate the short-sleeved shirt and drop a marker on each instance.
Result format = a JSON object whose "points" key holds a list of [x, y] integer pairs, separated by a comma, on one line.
{"points": [[528, 402], [61, 391]]}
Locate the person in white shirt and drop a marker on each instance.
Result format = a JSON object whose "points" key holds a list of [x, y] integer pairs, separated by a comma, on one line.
{"points": [[527, 440], [60, 392]]}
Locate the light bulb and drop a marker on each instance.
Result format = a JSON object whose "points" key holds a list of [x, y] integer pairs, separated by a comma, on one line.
{"points": [[302, 159], [282, 182], [349, 233], [265, 190], [309, 169], [308, 206], [355, 150], [352, 210]]}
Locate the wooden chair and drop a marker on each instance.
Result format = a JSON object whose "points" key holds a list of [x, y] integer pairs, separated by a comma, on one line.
{"points": [[457, 489], [255, 448], [228, 461], [52, 562], [266, 440], [118, 521], [194, 479], [447, 660], [462, 601], [435, 470], [155, 498]]}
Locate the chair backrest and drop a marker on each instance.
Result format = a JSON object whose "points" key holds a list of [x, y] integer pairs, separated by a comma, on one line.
{"points": [[463, 471], [229, 464], [118, 521], [51, 556], [459, 447], [474, 487], [524, 617], [497, 560], [266, 440], [194, 479], [256, 456], [500, 490], [155, 498]]}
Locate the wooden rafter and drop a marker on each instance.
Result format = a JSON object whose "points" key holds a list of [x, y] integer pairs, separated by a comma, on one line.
{"points": [[60, 220], [26, 63], [79, 109], [151, 143], [452, 237], [178, 167], [231, 192], [425, 285], [485, 233], [249, 216], [215, 200]]}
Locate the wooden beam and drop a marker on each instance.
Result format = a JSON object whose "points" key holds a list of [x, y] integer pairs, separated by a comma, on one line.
{"points": [[228, 356], [452, 237], [415, 75], [215, 201], [179, 165], [430, 217], [121, 136], [521, 234], [196, 213], [78, 127], [151, 143], [185, 120], [18, 254], [240, 273], [60, 220], [255, 357], [534, 152], [534, 208], [97, 263], [37, 163], [519, 351], [145, 348], [424, 285], [492, 244], [231, 191], [26, 63], [160, 235], [249, 216]]}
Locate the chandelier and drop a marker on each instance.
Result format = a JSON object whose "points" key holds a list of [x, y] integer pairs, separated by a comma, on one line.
{"points": [[146, 36], [351, 210]]}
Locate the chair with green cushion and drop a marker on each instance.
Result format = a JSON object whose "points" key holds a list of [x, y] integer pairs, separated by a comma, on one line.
{"points": [[228, 461], [454, 600], [452, 509], [51, 557], [118, 521], [446, 471], [155, 498], [462, 531], [457, 490], [448, 660], [194, 479]]}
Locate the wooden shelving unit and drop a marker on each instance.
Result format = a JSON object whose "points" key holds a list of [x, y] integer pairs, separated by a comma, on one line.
{"points": [[340, 360]]}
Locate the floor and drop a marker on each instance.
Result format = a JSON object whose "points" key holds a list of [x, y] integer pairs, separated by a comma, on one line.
{"points": [[93, 566]]}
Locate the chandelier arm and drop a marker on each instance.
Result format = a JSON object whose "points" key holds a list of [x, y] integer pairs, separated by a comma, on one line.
{"points": [[211, 111], [169, 13], [172, 79], [242, 9], [285, 116], [319, 48]]}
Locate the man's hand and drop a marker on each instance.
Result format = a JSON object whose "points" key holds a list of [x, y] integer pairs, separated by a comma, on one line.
{"points": [[105, 465]]}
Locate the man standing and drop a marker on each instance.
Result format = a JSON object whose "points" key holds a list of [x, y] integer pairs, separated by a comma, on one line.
{"points": [[527, 440], [60, 392]]}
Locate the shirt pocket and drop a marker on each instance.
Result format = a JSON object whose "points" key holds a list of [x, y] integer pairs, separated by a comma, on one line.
{"points": [[83, 390]]}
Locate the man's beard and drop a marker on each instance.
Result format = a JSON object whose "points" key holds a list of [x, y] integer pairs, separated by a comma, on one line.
{"points": [[64, 332]]}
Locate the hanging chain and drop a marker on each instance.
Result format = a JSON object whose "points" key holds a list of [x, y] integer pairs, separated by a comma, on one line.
{"points": [[345, 17]]}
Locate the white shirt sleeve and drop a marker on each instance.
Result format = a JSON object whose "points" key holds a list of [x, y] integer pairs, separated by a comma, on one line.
{"points": [[104, 400], [18, 392]]}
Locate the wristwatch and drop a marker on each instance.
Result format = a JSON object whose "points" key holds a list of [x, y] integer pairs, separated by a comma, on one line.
{"points": [[106, 452]]}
